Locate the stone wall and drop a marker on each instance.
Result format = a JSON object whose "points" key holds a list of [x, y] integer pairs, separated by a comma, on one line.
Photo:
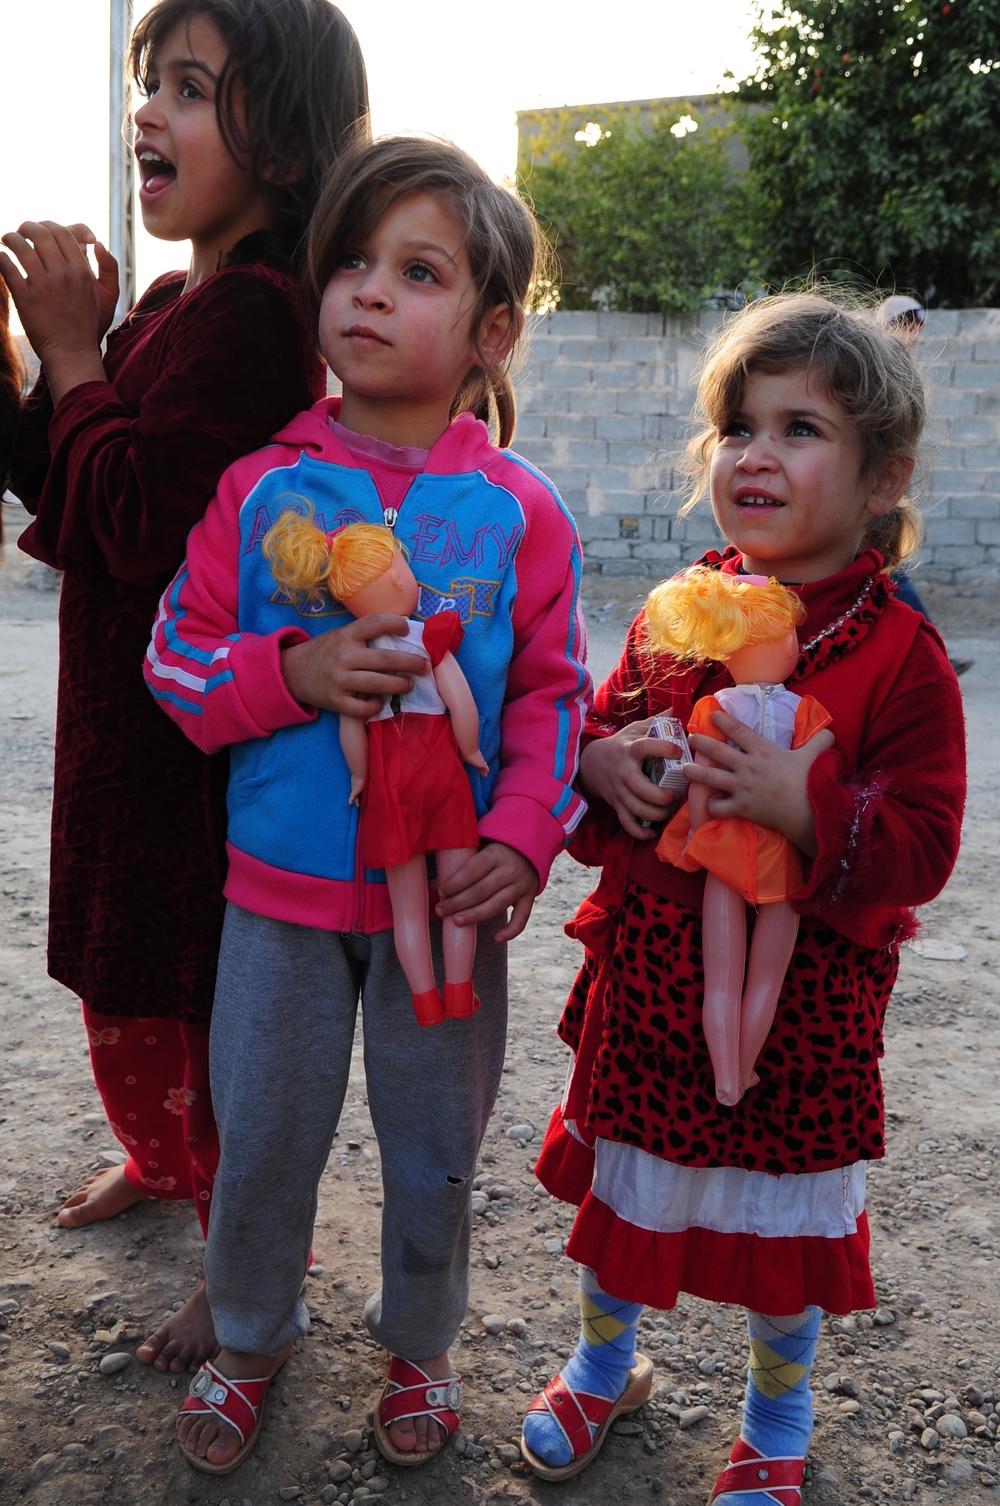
{"points": [[604, 403]]}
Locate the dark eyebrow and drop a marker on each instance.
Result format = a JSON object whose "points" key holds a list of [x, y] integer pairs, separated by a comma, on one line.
{"points": [[186, 65]]}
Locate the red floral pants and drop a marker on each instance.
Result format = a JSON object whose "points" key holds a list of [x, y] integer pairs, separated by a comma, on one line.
{"points": [[152, 1075]]}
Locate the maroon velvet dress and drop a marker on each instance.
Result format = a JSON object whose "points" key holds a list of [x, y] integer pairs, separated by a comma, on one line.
{"points": [[117, 476]]}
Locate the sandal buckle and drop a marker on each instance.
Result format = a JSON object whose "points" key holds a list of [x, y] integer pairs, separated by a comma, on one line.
{"points": [[201, 1385], [447, 1396]]}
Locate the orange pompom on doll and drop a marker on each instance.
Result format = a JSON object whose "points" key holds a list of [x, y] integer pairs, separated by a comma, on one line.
{"points": [[747, 623], [406, 760]]}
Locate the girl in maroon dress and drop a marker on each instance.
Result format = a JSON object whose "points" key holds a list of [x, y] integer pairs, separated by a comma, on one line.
{"points": [[119, 453]]}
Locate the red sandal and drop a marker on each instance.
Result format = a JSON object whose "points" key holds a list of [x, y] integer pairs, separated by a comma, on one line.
{"points": [[578, 1412], [240, 1404], [778, 1480], [410, 1392]]}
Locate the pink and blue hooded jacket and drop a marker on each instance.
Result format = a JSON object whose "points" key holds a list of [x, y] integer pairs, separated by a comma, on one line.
{"points": [[484, 529]]}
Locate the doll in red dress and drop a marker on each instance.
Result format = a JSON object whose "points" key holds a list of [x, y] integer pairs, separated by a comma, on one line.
{"points": [[406, 761], [747, 623]]}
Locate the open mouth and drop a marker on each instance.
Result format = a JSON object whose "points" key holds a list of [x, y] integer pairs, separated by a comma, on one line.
{"points": [[756, 499], [155, 172]]}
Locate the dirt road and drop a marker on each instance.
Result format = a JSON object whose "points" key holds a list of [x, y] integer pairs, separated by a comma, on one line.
{"points": [[906, 1398]]}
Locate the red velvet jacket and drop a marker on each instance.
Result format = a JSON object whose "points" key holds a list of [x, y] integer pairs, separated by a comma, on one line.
{"points": [[887, 798], [117, 475]]}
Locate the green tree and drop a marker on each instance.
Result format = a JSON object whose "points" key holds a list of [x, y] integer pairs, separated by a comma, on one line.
{"points": [[874, 144], [644, 213]]}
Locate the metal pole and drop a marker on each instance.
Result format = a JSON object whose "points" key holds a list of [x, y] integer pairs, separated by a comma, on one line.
{"points": [[122, 239]]}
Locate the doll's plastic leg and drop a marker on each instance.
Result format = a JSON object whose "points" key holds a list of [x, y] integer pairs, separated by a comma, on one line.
{"points": [[771, 950], [724, 932], [408, 893], [459, 945]]}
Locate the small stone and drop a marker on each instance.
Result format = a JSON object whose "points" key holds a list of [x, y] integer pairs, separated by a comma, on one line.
{"points": [[493, 1323], [339, 1471], [930, 1439], [377, 1484], [521, 1132], [58, 1351], [690, 1416], [354, 1440], [554, 1246], [491, 1262], [707, 1366], [517, 1326], [316, 1270], [112, 1363], [896, 1441], [328, 1495], [40, 1468], [951, 1426], [480, 1202], [849, 1408], [883, 1318], [289, 1492], [625, 1427], [508, 1453], [831, 1382]]}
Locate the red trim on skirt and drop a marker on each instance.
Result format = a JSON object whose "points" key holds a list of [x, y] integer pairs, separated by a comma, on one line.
{"points": [[774, 1276]]}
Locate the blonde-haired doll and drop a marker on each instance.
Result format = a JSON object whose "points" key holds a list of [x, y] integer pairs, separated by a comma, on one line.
{"points": [[747, 623], [406, 760]]}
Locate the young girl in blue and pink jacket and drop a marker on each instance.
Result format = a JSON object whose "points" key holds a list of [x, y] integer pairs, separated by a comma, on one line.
{"points": [[420, 268]]}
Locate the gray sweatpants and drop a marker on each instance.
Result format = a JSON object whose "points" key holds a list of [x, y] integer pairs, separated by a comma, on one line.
{"points": [[282, 1032]]}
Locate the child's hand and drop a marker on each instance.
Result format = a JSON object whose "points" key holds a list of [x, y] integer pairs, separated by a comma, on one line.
{"points": [[759, 782], [357, 785], [340, 672], [611, 768], [65, 309], [494, 880]]}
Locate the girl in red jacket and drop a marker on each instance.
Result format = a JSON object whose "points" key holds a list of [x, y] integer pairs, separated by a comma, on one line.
{"points": [[812, 423]]}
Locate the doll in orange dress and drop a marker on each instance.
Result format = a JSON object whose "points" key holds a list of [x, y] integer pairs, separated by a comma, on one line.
{"points": [[406, 761], [747, 623]]}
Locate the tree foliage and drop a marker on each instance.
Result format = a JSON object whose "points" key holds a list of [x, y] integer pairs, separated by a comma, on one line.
{"points": [[644, 213], [874, 153]]}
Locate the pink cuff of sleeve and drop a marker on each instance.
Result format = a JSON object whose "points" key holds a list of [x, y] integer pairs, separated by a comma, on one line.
{"points": [[256, 665], [521, 823]]}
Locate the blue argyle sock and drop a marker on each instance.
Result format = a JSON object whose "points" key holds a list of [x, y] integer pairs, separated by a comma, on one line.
{"points": [[600, 1364], [777, 1410]]}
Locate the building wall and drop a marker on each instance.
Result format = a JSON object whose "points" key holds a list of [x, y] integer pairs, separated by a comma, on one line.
{"points": [[605, 402]]}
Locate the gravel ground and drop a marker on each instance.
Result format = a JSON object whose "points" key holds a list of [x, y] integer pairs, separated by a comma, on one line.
{"points": [[907, 1398]]}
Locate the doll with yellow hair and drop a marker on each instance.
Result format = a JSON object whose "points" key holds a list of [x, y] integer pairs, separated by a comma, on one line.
{"points": [[406, 760], [747, 623]]}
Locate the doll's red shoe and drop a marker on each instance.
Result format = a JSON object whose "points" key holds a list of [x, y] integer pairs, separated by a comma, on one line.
{"points": [[460, 1002], [777, 1480], [428, 1007]]}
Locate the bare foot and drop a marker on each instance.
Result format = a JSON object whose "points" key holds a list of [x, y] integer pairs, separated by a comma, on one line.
{"points": [[103, 1195], [185, 1341], [205, 1435], [422, 1435]]}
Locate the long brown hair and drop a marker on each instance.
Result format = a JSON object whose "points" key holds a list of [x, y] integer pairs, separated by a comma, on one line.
{"points": [[506, 250], [294, 68]]}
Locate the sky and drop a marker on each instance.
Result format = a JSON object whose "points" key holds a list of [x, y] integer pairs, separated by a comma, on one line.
{"points": [[502, 58]]}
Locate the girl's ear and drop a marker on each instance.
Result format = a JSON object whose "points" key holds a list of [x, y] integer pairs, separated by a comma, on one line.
{"points": [[498, 333], [888, 484]]}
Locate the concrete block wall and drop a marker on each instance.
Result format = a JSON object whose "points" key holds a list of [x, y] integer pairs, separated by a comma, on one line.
{"points": [[605, 402]]}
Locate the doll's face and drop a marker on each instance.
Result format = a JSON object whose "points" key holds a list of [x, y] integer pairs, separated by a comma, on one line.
{"points": [[764, 663], [394, 591]]}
